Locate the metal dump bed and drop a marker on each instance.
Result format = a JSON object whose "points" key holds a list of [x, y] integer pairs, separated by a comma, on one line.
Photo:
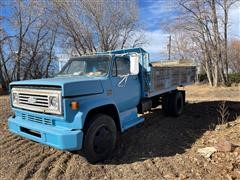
{"points": [[168, 75]]}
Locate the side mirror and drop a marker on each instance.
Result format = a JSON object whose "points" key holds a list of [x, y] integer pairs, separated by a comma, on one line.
{"points": [[134, 64]]}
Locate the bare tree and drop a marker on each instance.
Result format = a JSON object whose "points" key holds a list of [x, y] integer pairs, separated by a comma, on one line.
{"points": [[234, 56], [32, 44], [38, 28], [226, 6], [50, 55], [89, 26], [5, 44], [207, 30], [23, 18]]}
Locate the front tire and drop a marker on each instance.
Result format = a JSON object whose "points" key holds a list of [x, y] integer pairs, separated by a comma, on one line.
{"points": [[100, 138]]}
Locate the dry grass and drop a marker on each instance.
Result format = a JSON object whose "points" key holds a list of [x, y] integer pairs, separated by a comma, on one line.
{"points": [[206, 93]]}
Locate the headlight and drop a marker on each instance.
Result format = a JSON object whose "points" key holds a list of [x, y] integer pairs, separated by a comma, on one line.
{"points": [[53, 102], [15, 98]]}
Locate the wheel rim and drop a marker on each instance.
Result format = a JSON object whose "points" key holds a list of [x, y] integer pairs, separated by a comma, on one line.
{"points": [[102, 140]]}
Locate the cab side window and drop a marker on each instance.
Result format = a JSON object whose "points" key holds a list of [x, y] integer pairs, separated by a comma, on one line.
{"points": [[121, 66]]}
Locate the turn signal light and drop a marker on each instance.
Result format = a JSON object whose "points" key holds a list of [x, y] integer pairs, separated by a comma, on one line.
{"points": [[74, 105]]}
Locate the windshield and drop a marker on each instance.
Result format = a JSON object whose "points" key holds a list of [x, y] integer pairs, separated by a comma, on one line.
{"points": [[86, 66]]}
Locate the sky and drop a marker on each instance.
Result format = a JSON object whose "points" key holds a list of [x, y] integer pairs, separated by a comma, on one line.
{"points": [[153, 12]]}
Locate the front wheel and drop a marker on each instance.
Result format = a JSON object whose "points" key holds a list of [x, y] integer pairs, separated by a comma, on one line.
{"points": [[100, 138]]}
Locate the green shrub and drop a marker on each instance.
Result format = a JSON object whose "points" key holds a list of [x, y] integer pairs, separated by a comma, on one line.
{"points": [[234, 78]]}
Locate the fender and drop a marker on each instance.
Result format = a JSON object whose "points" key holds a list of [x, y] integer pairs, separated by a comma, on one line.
{"points": [[89, 103]]}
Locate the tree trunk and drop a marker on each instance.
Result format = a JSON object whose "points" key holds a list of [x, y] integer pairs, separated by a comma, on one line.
{"points": [[18, 70], [217, 47], [209, 74], [216, 74], [208, 70], [2, 83], [226, 39]]}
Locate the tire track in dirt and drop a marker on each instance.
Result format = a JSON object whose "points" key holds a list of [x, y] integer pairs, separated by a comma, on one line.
{"points": [[74, 170], [12, 145], [25, 160], [22, 156], [47, 165], [60, 166], [21, 151], [72, 164], [10, 139], [5, 136], [35, 165]]}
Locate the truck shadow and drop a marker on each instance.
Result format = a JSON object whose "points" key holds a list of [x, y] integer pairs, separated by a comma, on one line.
{"points": [[161, 136]]}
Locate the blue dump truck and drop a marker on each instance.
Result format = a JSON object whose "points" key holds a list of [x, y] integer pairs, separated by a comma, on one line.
{"points": [[94, 97]]}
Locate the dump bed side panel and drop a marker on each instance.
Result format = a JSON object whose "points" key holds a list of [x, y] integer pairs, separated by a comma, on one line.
{"points": [[164, 79]]}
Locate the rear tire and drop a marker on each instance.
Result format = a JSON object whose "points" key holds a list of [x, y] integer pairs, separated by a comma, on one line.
{"points": [[177, 104], [100, 138], [166, 99], [173, 103]]}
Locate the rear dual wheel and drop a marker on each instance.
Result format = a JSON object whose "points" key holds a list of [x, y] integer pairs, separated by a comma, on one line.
{"points": [[173, 103]]}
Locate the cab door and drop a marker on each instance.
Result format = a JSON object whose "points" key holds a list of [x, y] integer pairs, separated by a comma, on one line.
{"points": [[126, 87]]}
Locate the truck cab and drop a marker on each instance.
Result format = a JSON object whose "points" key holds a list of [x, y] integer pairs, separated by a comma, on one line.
{"points": [[88, 102]]}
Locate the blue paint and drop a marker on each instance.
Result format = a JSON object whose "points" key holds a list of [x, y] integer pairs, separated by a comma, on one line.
{"points": [[61, 138], [129, 118], [71, 86], [65, 131]]}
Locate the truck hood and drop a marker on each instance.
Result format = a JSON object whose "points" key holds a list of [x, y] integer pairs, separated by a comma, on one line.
{"points": [[71, 86]]}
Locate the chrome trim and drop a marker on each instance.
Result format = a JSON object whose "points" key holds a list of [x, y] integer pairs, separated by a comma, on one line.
{"points": [[37, 100]]}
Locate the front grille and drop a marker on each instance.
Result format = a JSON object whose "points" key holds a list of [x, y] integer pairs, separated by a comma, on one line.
{"points": [[37, 119], [34, 100], [37, 100]]}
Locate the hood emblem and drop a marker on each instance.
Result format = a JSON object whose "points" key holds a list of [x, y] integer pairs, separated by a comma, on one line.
{"points": [[32, 100]]}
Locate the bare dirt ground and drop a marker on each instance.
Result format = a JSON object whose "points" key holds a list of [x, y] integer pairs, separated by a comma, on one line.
{"points": [[160, 148]]}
